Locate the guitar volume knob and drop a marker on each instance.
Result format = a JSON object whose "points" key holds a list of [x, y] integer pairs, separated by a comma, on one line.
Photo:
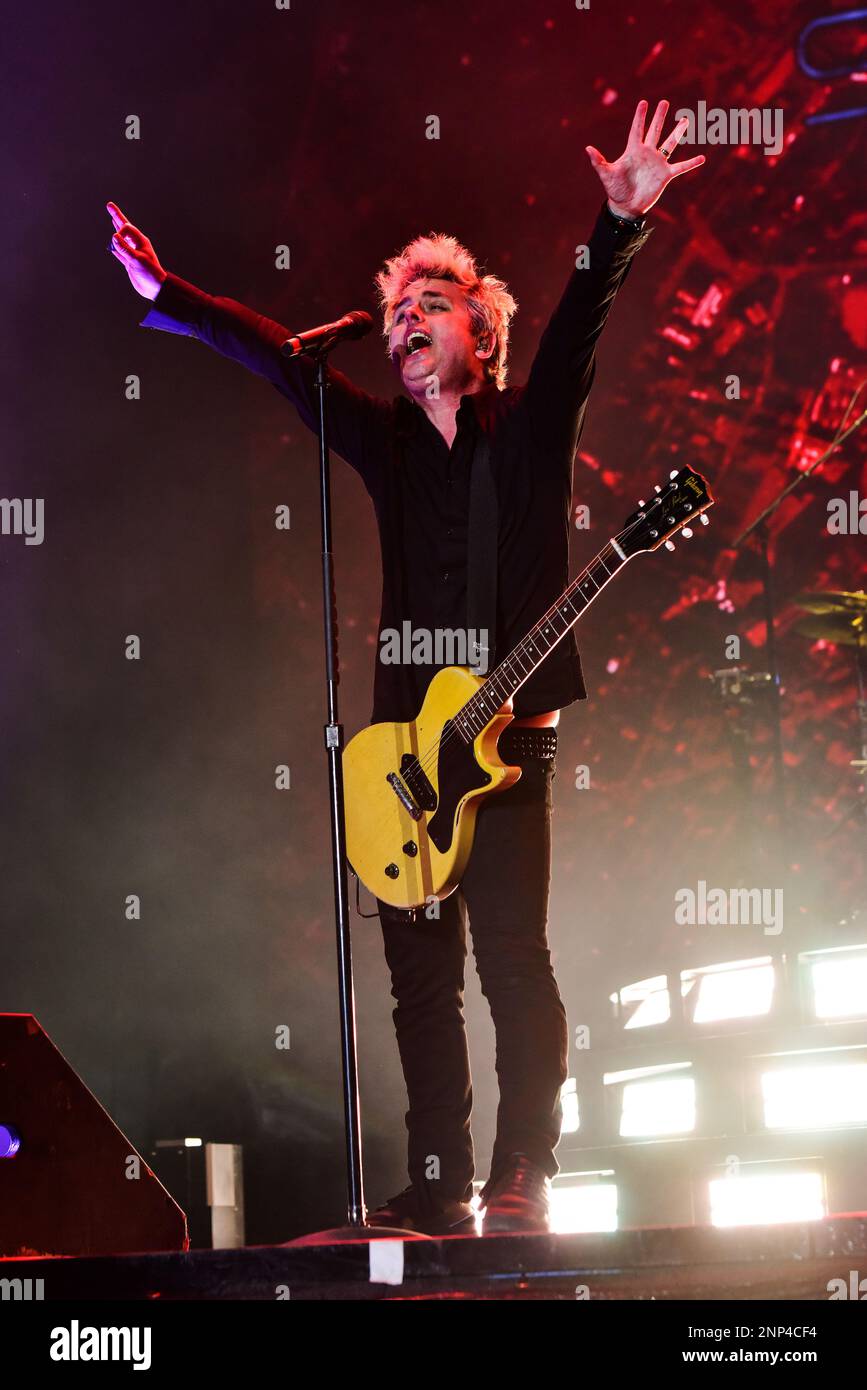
{"points": [[391, 870], [411, 848]]}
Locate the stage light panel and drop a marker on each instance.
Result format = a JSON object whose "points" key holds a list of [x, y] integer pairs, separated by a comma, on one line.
{"points": [[648, 1000], [734, 989], [815, 1097], [579, 1207], [767, 1199], [840, 986], [666, 1106], [571, 1111]]}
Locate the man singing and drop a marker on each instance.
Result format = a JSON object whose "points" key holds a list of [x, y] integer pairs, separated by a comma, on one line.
{"points": [[447, 329]]}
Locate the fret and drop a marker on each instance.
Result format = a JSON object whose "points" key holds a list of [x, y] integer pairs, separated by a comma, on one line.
{"points": [[576, 612], [531, 651]]}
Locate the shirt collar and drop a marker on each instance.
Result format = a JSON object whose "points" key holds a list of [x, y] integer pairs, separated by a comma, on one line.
{"points": [[410, 414]]}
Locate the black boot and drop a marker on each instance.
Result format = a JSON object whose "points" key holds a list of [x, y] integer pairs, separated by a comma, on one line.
{"points": [[439, 1217], [518, 1200]]}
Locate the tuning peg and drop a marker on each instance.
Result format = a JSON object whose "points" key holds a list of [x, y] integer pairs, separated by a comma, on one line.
{"points": [[704, 519], [641, 501], [686, 531], [656, 487], [673, 473], [669, 545]]}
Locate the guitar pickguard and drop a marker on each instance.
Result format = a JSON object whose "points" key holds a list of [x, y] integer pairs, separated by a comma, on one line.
{"points": [[457, 773], [418, 783]]}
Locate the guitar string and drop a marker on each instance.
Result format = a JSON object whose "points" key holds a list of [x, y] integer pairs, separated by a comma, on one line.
{"points": [[425, 762]]}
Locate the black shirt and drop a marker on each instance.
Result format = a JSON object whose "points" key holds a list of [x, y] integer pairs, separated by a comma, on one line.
{"points": [[420, 487]]}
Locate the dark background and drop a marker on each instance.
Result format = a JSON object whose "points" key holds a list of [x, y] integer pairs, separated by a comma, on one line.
{"points": [[156, 777]]}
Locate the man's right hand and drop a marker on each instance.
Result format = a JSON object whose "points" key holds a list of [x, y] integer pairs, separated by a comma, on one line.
{"points": [[136, 255]]}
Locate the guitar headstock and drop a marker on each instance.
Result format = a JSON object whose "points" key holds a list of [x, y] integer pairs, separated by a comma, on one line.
{"points": [[685, 498]]}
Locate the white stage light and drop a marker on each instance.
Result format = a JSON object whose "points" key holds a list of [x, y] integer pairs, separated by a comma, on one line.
{"points": [[840, 987], [815, 1097], [648, 1000], [767, 1199], [583, 1207], [736, 989], [658, 1107], [569, 1101]]}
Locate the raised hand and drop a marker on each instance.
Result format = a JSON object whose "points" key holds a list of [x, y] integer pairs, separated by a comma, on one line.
{"points": [[635, 180], [135, 253]]}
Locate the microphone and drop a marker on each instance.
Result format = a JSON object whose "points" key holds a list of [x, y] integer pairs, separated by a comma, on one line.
{"points": [[322, 339]]}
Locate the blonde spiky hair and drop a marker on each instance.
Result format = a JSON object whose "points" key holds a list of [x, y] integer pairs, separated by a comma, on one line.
{"points": [[440, 257]]}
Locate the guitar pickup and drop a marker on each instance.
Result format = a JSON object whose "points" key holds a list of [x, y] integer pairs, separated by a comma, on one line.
{"points": [[403, 796], [420, 788]]}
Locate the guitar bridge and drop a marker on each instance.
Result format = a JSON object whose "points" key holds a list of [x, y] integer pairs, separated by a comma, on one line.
{"points": [[403, 795]]}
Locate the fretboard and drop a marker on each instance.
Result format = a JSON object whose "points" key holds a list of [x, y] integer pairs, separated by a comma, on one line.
{"points": [[539, 642]]}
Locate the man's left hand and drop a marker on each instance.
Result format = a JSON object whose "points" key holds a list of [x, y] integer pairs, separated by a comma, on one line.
{"points": [[635, 180]]}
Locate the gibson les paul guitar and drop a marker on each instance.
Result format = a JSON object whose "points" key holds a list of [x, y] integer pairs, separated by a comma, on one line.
{"points": [[413, 790]]}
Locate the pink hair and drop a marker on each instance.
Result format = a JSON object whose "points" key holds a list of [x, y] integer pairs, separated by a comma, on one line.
{"points": [[440, 257]]}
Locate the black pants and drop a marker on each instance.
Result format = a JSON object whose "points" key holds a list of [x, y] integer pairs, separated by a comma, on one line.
{"points": [[504, 893]]}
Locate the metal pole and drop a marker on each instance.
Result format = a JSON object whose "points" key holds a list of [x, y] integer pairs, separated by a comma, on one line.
{"points": [[333, 744]]}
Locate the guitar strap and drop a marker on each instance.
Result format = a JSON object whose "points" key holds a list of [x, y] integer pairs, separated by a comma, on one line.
{"points": [[482, 538]]}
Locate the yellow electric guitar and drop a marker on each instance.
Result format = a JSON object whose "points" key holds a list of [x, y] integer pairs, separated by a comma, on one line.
{"points": [[412, 791]]}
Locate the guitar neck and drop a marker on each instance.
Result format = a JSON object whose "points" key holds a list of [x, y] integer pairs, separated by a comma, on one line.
{"points": [[539, 642]]}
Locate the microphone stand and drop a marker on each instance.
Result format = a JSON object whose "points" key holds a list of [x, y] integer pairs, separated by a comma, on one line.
{"points": [[355, 1228], [333, 746], [759, 528]]}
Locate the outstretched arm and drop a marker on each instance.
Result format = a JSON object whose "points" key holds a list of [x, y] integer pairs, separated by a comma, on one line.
{"points": [[357, 421], [562, 372]]}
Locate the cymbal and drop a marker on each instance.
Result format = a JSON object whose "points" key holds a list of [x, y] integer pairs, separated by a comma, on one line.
{"points": [[833, 601], [845, 630]]}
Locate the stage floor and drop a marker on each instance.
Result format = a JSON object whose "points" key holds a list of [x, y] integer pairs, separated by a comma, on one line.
{"points": [[795, 1261]]}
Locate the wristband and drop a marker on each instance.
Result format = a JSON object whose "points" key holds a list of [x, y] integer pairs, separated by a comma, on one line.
{"points": [[630, 224]]}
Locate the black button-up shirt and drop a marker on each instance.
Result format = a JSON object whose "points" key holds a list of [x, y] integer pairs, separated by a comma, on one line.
{"points": [[434, 506], [420, 487]]}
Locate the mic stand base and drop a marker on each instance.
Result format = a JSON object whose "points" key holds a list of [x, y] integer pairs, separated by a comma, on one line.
{"points": [[342, 1235]]}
